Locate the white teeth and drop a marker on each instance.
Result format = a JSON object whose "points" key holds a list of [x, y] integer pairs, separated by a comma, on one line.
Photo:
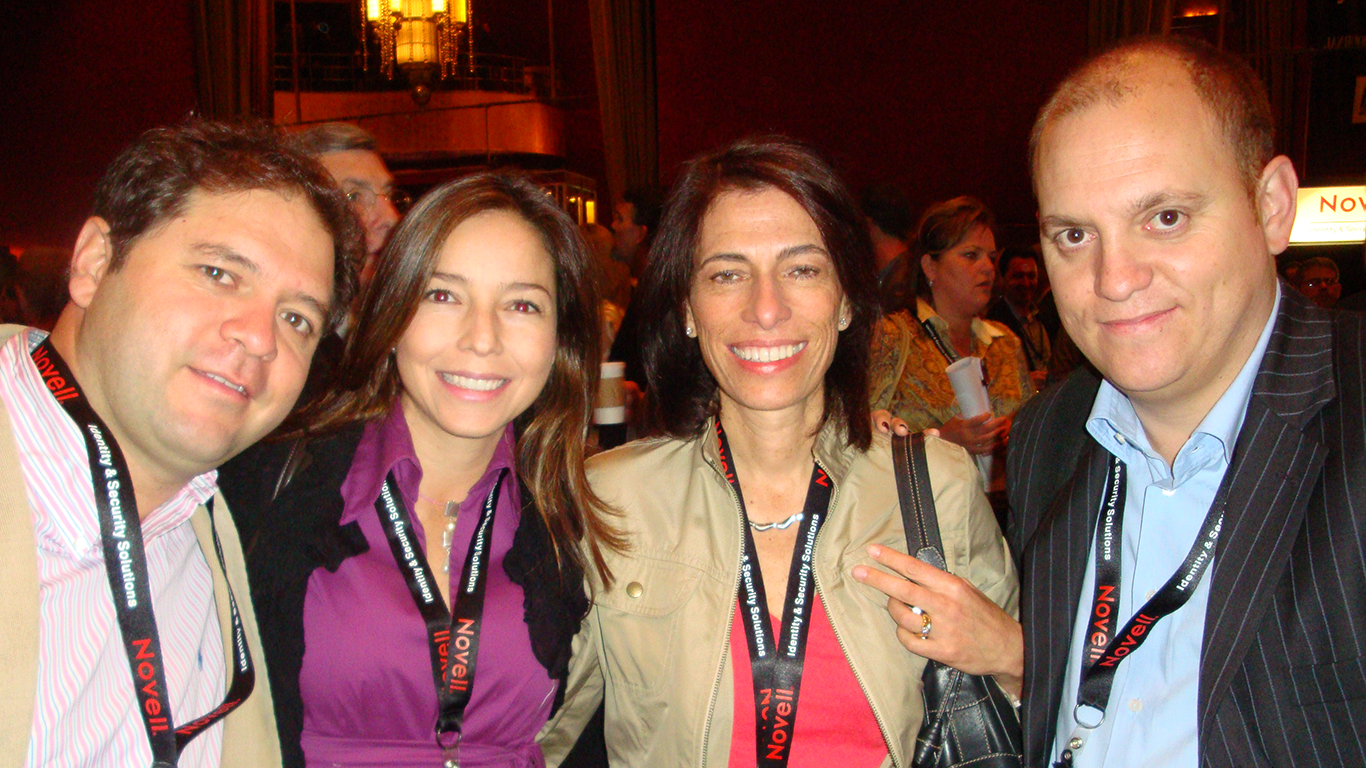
{"points": [[479, 385], [767, 354], [226, 383]]}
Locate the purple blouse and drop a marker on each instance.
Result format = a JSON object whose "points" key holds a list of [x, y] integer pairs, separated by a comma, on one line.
{"points": [[366, 681]]}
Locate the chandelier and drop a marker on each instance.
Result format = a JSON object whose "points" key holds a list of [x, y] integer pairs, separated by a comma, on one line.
{"points": [[421, 38]]}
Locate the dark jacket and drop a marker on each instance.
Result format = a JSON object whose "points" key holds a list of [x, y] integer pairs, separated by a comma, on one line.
{"points": [[1282, 672], [285, 540]]}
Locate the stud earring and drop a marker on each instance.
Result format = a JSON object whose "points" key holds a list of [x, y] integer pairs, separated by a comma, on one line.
{"points": [[689, 332], [844, 323]]}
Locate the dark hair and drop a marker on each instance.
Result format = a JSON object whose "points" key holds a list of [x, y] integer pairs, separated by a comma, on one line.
{"points": [[648, 201], [1018, 252], [1225, 84], [329, 138], [150, 182], [943, 226], [552, 433], [684, 390], [888, 208]]}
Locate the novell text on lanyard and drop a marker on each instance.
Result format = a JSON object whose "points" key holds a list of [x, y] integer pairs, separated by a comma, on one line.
{"points": [[452, 636], [1104, 648], [776, 663], [125, 563]]}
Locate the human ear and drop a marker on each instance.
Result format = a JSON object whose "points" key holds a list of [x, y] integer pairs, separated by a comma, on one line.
{"points": [[90, 261], [689, 324], [929, 267], [1276, 193]]}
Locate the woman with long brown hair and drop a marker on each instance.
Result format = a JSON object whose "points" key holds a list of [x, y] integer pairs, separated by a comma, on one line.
{"points": [[420, 552]]}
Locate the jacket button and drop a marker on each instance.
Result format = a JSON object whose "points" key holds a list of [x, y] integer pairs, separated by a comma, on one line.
{"points": [[634, 589]]}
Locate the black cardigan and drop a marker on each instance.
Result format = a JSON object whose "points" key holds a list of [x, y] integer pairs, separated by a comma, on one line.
{"points": [[286, 539]]}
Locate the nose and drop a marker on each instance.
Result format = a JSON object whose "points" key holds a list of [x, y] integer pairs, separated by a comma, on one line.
{"points": [[383, 217], [480, 331], [253, 326], [1121, 271], [768, 306]]}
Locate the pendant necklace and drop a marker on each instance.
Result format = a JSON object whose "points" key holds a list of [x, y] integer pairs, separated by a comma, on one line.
{"points": [[451, 510], [780, 525]]}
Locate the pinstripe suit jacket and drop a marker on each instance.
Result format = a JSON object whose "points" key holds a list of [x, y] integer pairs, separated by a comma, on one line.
{"points": [[1283, 660]]}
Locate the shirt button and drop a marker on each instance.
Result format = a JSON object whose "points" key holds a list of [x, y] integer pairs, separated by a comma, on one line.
{"points": [[634, 589], [1147, 596], [1135, 705], [1120, 439]]}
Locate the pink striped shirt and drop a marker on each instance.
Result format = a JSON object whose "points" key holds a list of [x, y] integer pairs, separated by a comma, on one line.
{"points": [[85, 713]]}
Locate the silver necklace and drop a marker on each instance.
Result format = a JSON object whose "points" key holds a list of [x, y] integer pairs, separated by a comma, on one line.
{"points": [[451, 510], [780, 525]]}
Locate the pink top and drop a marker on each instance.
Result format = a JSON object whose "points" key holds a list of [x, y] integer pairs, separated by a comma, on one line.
{"points": [[85, 712], [835, 725]]}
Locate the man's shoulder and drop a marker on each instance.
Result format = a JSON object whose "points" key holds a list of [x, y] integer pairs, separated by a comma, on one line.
{"points": [[1062, 406]]}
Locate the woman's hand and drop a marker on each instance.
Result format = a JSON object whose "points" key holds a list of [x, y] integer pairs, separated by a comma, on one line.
{"points": [[886, 423], [980, 435], [968, 632]]}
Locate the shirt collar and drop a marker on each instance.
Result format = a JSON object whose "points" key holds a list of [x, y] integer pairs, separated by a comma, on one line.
{"points": [[1115, 425], [77, 530], [387, 446], [983, 331]]}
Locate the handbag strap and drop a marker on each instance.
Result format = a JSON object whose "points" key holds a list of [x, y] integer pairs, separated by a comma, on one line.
{"points": [[912, 470]]}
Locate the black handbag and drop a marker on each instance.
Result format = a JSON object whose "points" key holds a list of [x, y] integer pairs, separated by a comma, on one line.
{"points": [[968, 719]]}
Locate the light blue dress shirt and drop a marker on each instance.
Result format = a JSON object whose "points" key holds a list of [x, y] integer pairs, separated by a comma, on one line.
{"points": [[1151, 716]]}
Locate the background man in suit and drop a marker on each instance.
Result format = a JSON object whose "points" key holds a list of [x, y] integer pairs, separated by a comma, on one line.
{"points": [[1018, 308], [213, 261], [1191, 527]]}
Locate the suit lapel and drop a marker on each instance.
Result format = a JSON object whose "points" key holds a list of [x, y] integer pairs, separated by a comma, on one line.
{"points": [[1054, 566], [1276, 466]]}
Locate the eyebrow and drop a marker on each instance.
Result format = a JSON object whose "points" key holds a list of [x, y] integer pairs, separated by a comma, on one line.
{"points": [[460, 279], [1167, 199], [788, 252], [226, 254], [363, 184], [1156, 200]]}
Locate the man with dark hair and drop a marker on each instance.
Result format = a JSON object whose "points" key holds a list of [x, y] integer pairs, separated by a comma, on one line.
{"points": [[1191, 526], [891, 225], [214, 259], [350, 155], [634, 222], [1018, 308]]}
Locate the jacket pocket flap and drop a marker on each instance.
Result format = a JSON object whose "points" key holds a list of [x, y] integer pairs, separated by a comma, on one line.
{"points": [[1330, 681], [646, 586]]}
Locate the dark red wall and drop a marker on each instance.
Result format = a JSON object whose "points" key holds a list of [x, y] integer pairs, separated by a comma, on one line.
{"points": [[935, 96], [80, 80]]}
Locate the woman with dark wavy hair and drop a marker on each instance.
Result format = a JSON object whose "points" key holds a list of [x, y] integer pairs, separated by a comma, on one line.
{"points": [[420, 573], [759, 518]]}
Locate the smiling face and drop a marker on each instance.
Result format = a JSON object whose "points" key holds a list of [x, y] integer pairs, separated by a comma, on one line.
{"points": [[481, 346], [765, 303], [1020, 282], [1162, 267], [961, 277], [198, 345]]}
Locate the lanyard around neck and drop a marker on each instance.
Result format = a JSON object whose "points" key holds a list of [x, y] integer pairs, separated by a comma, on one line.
{"points": [[776, 663], [125, 562], [1104, 649], [452, 635]]}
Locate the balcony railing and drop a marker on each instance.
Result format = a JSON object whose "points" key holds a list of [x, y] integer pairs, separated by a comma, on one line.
{"points": [[342, 72]]}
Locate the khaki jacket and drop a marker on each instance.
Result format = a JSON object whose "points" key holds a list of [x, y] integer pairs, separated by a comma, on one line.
{"points": [[657, 644], [249, 737]]}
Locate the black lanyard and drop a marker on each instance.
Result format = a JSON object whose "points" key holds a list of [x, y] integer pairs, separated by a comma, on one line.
{"points": [[125, 563], [950, 354], [1104, 648], [777, 668], [452, 636]]}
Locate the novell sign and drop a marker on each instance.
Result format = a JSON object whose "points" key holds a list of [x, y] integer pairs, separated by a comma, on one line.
{"points": [[1330, 215]]}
